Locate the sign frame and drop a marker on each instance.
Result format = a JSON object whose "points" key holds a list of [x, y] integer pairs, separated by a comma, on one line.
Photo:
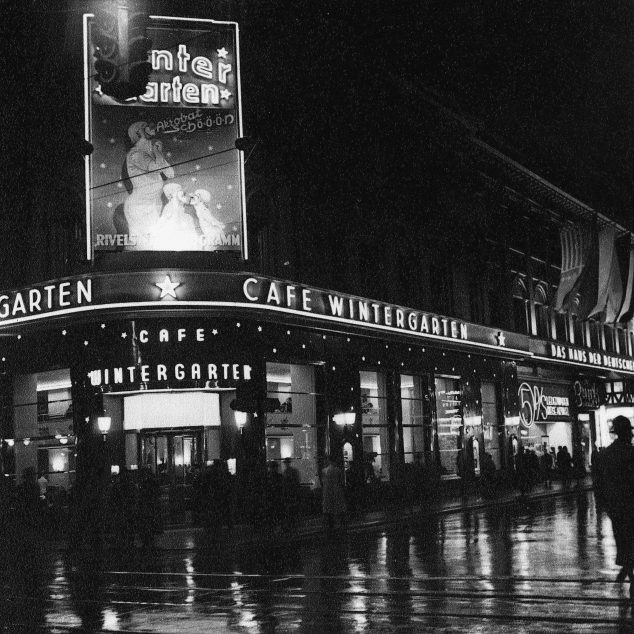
{"points": [[157, 21]]}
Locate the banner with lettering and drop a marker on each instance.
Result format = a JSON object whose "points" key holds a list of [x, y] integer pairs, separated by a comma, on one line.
{"points": [[543, 403], [165, 174]]}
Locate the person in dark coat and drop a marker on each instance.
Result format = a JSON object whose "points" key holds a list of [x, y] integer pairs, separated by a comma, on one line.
{"points": [[333, 500], [615, 487]]}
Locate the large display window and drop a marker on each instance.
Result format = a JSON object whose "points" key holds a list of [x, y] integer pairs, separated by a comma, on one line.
{"points": [[416, 430], [376, 444], [291, 430], [450, 423]]}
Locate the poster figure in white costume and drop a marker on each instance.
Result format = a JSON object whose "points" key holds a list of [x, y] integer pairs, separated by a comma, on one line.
{"points": [[175, 229], [211, 227], [146, 166]]}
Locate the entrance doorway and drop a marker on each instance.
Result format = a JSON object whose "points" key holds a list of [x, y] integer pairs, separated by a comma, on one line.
{"points": [[173, 456]]}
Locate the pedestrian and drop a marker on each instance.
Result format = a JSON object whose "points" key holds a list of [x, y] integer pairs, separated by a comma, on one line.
{"points": [[28, 500], [546, 468], [333, 501], [487, 475], [615, 487], [149, 510], [274, 495], [564, 464], [291, 490]]}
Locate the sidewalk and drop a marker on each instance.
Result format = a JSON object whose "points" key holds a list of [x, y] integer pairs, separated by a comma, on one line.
{"points": [[192, 538]]}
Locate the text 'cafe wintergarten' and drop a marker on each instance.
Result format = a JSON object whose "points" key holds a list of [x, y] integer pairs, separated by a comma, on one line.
{"points": [[144, 367]]}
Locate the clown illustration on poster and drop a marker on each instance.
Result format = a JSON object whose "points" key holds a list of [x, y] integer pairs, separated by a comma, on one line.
{"points": [[165, 174]]}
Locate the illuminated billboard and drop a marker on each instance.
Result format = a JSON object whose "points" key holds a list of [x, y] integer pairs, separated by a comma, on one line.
{"points": [[165, 174]]}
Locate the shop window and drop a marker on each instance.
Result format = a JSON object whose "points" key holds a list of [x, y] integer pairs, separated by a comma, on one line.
{"points": [[416, 436], [449, 422], [491, 421], [376, 444], [291, 430]]}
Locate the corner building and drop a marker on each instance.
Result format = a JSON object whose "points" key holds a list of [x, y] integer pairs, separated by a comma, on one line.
{"points": [[162, 354]]}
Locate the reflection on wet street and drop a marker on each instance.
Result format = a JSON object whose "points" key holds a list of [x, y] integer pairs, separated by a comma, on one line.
{"points": [[545, 567]]}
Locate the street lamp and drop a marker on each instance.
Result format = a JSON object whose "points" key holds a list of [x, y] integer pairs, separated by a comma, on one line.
{"points": [[240, 418], [344, 418], [104, 423]]}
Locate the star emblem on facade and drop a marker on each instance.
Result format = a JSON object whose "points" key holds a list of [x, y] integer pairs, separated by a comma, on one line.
{"points": [[214, 332], [225, 94], [501, 339], [168, 288], [222, 52]]}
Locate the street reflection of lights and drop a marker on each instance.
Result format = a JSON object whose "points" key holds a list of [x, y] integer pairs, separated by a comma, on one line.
{"points": [[110, 619]]}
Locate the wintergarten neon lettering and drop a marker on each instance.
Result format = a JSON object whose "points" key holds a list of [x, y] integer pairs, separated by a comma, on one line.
{"points": [[352, 309], [176, 91], [46, 298]]}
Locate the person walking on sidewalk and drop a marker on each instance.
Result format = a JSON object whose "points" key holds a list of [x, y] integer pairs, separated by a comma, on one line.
{"points": [[333, 501], [615, 488]]}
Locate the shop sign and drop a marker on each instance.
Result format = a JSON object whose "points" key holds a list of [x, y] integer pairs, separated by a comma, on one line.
{"points": [[542, 403], [216, 374], [590, 357], [46, 298], [587, 394], [165, 174], [198, 290]]}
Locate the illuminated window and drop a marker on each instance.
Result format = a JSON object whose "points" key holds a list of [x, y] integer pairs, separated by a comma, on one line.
{"points": [[376, 445], [416, 418], [449, 423], [291, 430]]}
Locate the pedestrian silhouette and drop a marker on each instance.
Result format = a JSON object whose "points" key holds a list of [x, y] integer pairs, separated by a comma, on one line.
{"points": [[615, 488], [149, 510], [291, 490], [333, 501]]}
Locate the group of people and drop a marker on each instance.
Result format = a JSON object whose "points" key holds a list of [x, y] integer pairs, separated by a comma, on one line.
{"points": [[533, 469]]}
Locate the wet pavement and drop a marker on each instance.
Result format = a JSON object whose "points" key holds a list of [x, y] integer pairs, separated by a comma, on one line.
{"points": [[546, 565]]}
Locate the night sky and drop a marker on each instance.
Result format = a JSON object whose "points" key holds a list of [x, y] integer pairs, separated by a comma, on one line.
{"points": [[334, 93]]}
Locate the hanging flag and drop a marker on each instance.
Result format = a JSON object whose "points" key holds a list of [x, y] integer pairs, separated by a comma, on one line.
{"points": [[587, 287], [627, 308], [609, 287], [576, 246], [616, 282]]}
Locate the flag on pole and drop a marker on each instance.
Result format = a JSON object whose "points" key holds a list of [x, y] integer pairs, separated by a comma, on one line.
{"points": [[627, 308], [610, 287], [576, 248]]}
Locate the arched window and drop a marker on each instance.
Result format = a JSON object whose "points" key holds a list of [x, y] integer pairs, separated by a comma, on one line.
{"points": [[542, 310]]}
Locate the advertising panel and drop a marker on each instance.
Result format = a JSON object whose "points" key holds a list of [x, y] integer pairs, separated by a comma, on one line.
{"points": [[543, 403], [165, 174]]}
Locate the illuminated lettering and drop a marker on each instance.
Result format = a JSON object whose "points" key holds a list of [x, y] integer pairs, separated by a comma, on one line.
{"points": [[223, 71], [400, 318], [435, 326], [203, 67], [4, 306], [245, 289], [290, 295], [181, 334], [336, 305], [35, 297], [364, 311], [164, 335], [64, 293], [200, 334], [195, 371], [18, 305], [273, 295], [387, 316], [306, 299], [161, 372], [424, 324], [179, 371], [412, 321], [143, 336]]}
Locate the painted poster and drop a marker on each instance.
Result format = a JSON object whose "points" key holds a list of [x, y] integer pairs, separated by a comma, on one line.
{"points": [[165, 174]]}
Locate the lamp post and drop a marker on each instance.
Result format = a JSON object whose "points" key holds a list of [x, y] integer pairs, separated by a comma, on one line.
{"points": [[104, 423]]}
